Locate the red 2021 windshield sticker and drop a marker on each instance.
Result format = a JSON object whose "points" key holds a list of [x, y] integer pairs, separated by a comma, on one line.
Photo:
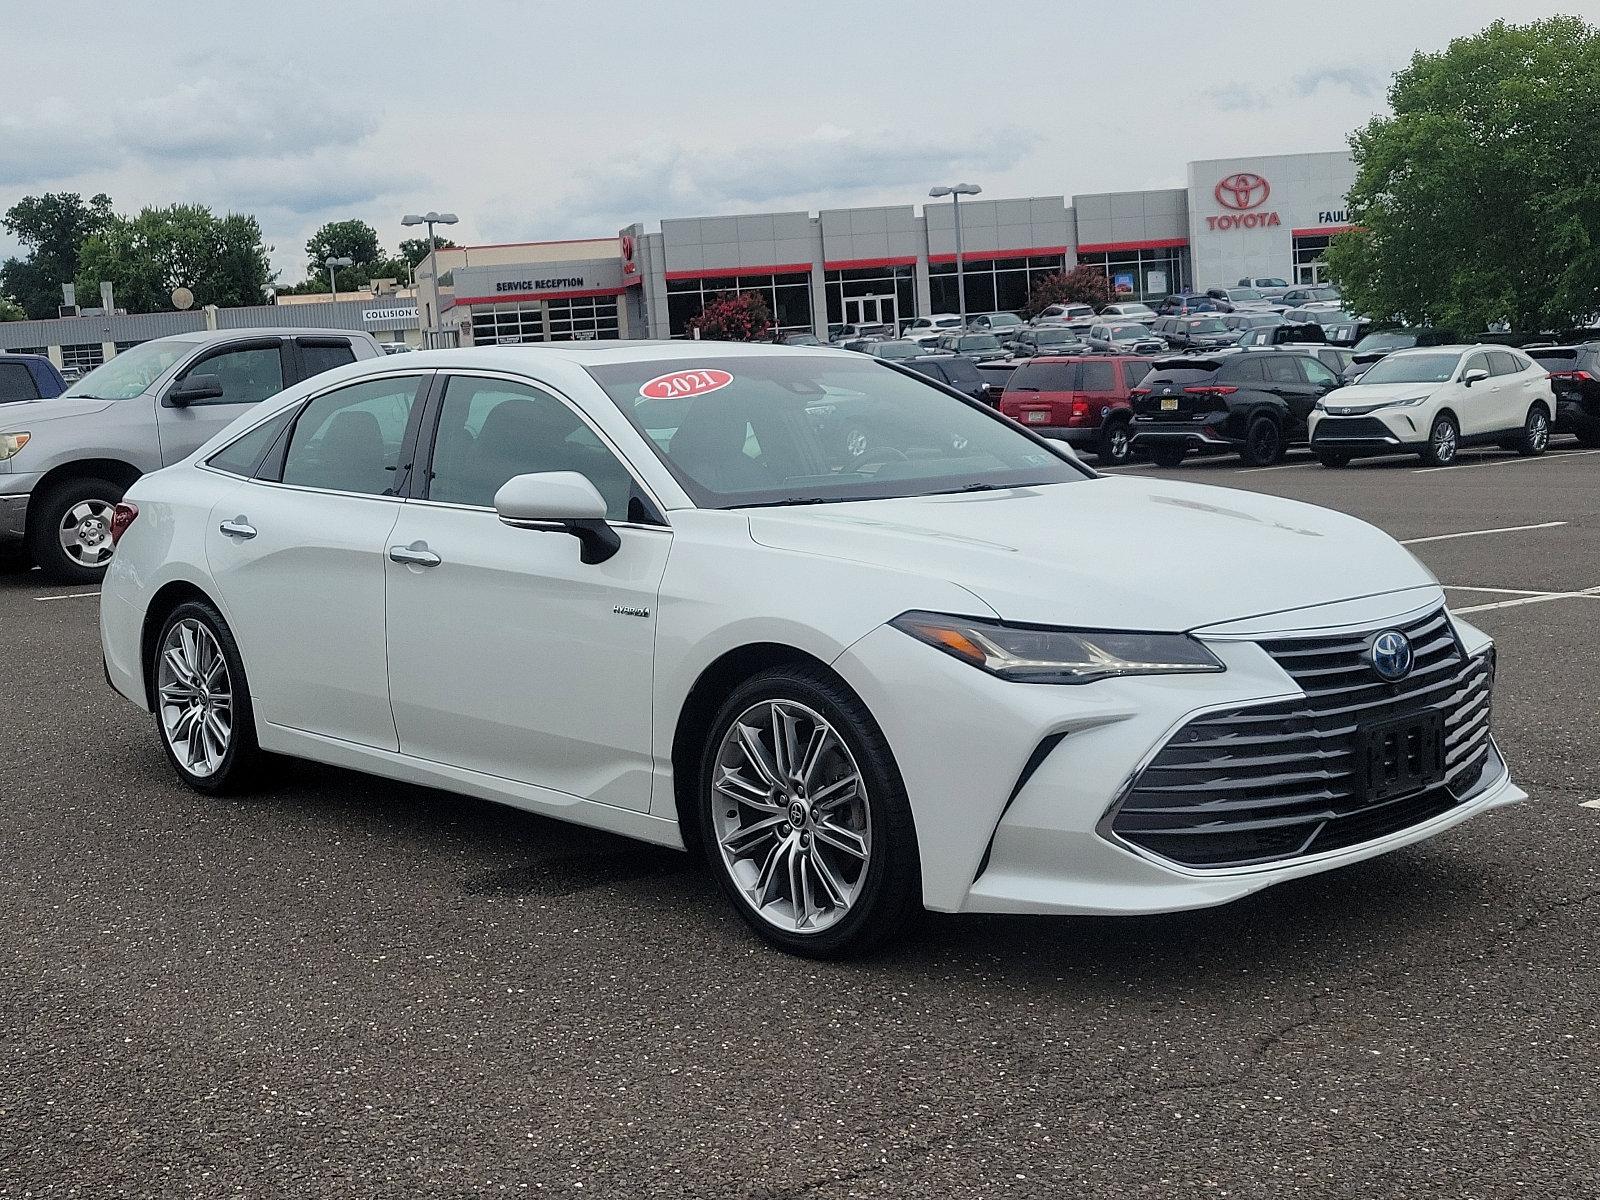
{"points": [[696, 381]]}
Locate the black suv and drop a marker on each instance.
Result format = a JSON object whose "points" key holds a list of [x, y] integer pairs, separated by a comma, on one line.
{"points": [[1196, 333], [1254, 402], [1575, 379], [957, 372]]}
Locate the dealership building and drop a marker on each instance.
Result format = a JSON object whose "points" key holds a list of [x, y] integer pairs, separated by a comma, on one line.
{"points": [[1237, 218]]}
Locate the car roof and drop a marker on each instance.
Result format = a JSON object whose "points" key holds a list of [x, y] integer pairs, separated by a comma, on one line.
{"points": [[25, 357]]}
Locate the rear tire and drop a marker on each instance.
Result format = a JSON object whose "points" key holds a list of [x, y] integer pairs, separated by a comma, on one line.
{"points": [[202, 702], [1116, 444], [69, 534], [1167, 455], [1263, 443], [761, 813], [1444, 440], [1333, 458], [1535, 438]]}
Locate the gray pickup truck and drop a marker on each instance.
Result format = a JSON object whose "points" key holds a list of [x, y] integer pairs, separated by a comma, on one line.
{"points": [[65, 463]]}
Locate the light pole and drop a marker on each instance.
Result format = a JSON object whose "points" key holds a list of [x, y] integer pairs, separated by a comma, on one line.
{"points": [[955, 192], [430, 219], [334, 264]]}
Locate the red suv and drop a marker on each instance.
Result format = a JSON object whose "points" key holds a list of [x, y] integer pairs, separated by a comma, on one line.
{"points": [[1081, 399]]}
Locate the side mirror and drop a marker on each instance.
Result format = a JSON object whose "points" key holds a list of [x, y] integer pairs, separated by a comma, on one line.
{"points": [[565, 500], [1476, 375], [193, 389]]}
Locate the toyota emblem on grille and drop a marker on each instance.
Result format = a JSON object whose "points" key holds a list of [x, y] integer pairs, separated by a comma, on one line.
{"points": [[1391, 655]]}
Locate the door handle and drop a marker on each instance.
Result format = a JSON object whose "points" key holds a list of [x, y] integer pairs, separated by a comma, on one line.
{"points": [[415, 555], [239, 528]]}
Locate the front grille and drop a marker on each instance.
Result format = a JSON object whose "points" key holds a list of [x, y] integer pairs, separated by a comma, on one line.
{"points": [[1353, 427], [1267, 782]]}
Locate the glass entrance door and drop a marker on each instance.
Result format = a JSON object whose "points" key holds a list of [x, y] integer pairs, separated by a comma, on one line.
{"points": [[870, 310]]}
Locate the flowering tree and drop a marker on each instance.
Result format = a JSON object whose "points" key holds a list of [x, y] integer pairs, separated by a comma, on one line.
{"points": [[734, 317], [1081, 285]]}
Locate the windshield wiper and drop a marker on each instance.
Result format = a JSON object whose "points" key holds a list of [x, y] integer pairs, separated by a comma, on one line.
{"points": [[792, 501]]}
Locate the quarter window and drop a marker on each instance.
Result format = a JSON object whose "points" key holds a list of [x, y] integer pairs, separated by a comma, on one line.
{"points": [[1502, 362], [349, 440], [1318, 374], [242, 455], [1097, 377], [248, 375], [319, 356], [491, 430]]}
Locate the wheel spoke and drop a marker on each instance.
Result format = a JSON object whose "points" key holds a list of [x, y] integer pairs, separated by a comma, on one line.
{"points": [[835, 794], [762, 892], [799, 888], [742, 842], [756, 754], [833, 890], [784, 749], [821, 735], [731, 783], [177, 692], [840, 838]]}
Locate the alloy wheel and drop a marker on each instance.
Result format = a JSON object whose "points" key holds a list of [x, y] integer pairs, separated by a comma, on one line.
{"points": [[791, 817], [195, 693], [1444, 441], [85, 532], [1119, 443], [1538, 432]]}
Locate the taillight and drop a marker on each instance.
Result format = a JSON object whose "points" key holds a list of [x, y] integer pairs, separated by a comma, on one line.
{"points": [[1080, 409], [1139, 392], [1575, 376], [1212, 389], [121, 517]]}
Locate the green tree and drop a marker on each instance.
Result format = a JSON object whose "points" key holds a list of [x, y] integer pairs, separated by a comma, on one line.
{"points": [[353, 239], [1477, 200], [10, 310], [414, 250], [1081, 285], [220, 259], [734, 317], [52, 228]]}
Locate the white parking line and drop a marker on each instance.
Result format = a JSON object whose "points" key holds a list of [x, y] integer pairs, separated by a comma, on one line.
{"points": [[1294, 466], [68, 596], [1589, 804], [1445, 537], [1544, 599], [1507, 462], [1461, 587]]}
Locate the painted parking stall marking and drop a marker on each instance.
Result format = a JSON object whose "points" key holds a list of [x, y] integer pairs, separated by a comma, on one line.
{"points": [[1445, 537]]}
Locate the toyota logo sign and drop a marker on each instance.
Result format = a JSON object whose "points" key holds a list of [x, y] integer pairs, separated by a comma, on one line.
{"points": [[1242, 190]]}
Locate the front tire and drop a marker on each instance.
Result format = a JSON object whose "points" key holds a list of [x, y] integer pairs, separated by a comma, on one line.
{"points": [[1535, 438], [804, 818], [202, 701], [1167, 455], [69, 534], [1444, 439]]}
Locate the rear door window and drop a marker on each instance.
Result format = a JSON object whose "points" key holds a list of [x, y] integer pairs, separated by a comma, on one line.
{"points": [[1246, 370], [1503, 363], [17, 382], [1319, 374], [349, 439], [1281, 368], [323, 354]]}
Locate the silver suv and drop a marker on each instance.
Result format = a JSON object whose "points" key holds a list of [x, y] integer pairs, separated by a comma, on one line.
{"points": [[64, 463]]}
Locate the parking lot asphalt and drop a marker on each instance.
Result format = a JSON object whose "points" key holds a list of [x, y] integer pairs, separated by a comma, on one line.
{"points": [[346, 987]]}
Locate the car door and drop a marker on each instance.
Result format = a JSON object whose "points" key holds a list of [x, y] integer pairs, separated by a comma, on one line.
{"points": [[1478, 406], [298, 553], [508, 655], [314, 355], [1286, 380], [249, 371], [1510, 392], [1321, 380]]}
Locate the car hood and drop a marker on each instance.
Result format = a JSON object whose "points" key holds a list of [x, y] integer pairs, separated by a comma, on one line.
{"points": [[1112, 553], [29, 413]]}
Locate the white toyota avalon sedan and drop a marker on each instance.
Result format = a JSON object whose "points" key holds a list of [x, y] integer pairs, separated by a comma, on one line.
{"points": [[657, 588]]}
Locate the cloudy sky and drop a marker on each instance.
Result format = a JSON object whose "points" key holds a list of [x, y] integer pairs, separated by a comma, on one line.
{"points": [[538, 120]]}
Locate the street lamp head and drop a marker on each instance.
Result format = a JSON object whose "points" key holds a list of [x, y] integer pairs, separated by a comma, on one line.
{"points": [[330, 261], [966, 189], [429, 218], [936, 193], [411, 219]]}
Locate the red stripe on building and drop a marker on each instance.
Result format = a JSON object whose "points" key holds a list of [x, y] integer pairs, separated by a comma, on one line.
{"points": [[729, 272], [1149, 244], [522, 297], [859, 264], [1322, 230], [989, 255]]}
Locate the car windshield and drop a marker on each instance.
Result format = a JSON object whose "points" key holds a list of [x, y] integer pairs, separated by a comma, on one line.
{"points": [[1205, 325], [132, 371], [1413, 368], [756, 430], [1393, 340], [1326, 293], [979, 341], [1055, 337], [1129, 331], [1246, 294], [1330, 316], [897, 350]]}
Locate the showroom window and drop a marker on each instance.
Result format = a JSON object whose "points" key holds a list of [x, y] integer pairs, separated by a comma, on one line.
{"points": [[1309, 252], [85, 357], [871, 295], [583, 319], [993, 284], [1147, 274], [788, 298]]}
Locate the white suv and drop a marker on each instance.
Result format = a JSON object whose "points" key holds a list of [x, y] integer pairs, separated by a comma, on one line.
{"points": [[1432, 401]]}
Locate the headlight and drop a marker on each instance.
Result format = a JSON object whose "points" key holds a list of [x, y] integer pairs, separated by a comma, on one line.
{"points": [[1408, 402], [1038, 654], [10, 443]]}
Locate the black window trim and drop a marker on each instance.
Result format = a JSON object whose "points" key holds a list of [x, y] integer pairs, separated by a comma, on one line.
{"points": [[428, 436], [26, 369], [301, 340], [286, 365]]}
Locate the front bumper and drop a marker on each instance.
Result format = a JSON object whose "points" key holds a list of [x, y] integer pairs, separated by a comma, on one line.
{"points": [[13, 518], [1381, 431], [1011, 784]]}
